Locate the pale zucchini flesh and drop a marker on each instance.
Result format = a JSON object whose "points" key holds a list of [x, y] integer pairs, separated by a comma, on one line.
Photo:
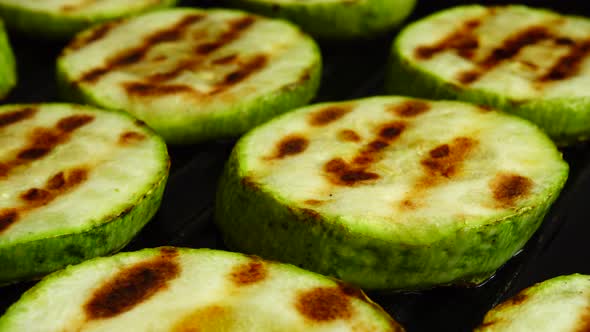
{"points": [[171, 289], [556, 305], [76, 183], [390, 192], [530, 62], [193, 74], [335, 19], [61, 19]]}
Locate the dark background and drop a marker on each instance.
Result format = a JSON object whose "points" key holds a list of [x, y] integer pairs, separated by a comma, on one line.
{"points": [[352, 70]]}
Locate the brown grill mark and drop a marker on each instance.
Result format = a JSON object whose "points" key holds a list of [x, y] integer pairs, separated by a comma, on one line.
{"points": [[387, 134], [12, 117], [206, 48], [328, 115], [246, 69], [349, 136], [136, 54], [43, 140], [408, 204], [565, 41], [7, 218], [584, 321], [130, 137], [442, 163], [74, 122], [568, 65], [352, 176], [33, 198], [409, 108], [249, 273], [57, 181], [514, 44], [291, 145], [508, 188], [33, 153], [155, 90], [335, 166], [57, 185], [324, 304], [445, 160], [340, 172], [94, 35], [236, 28], [463, 40], [313, 202], [131, 286], [509, 49], [35, 195], [182, 66], [392, 131], [225, 60], [470, 76]]}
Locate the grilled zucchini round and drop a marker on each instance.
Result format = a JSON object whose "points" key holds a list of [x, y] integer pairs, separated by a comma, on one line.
{"points": [[61, 19], [193, 74], [335, 19], [529, 62], [556, 305], [170, 289], [76, 183], [390, 192]]}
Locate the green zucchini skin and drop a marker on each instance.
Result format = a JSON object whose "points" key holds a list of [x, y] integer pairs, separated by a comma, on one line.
{"points": [[257, 219], [8, 75], [33, 256], [565, 119], [338, 20], [55, 26]]}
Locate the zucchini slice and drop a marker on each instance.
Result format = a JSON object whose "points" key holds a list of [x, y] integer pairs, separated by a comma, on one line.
{"points": [[390, 192], [193, 74], [529, 62], [61, 19], [76, 183], [335, 19], [7, 64], [556, 305], [172, 289]]}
